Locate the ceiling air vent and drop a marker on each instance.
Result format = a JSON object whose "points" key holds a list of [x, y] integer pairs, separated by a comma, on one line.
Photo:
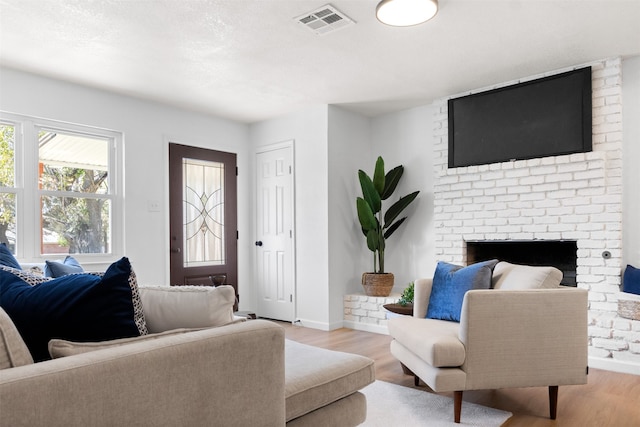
{"points": [[325, 20]]}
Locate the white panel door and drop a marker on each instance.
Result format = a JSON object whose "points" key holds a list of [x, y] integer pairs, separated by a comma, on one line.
{"points": [[274, 233]]}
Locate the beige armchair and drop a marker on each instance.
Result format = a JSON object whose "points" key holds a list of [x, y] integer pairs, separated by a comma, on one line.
{"points": [[527, 331]]}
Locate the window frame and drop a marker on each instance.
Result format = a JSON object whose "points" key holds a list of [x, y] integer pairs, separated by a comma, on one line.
{"points": [[28, 193]]}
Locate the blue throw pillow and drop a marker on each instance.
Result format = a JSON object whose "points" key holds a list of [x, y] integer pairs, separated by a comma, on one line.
{"points": [[631, 280], [7, 258], [451, 282], [61, 268], [77, 307]]}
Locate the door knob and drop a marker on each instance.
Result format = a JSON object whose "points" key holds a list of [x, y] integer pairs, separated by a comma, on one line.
{"points": [[175, 250], [259, 243]]}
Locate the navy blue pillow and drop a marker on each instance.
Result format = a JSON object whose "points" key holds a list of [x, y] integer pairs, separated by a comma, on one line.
{"points": [[77, 307], [61, 268], [451, 282], [7, 258], [631, 280]]}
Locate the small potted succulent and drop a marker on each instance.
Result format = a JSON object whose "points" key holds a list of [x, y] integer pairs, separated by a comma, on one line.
{"points": [[407, 296], [405, 304]]}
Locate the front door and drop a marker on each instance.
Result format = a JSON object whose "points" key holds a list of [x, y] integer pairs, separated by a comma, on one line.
{"points": [[202, 216], [275, 265]]}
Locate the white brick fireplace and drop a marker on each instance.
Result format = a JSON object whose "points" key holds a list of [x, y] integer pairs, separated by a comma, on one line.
{"points": [[571, 197]]}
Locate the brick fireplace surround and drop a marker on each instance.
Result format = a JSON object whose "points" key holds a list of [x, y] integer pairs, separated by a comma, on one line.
{"points": [[571, 197]]}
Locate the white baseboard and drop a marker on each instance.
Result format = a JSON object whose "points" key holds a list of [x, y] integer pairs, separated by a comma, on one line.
{"points": [[614, 365], [322, 326], [367, 327]]}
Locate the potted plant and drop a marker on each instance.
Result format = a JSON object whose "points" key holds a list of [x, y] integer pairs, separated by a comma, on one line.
{"points": [[378, 226]]}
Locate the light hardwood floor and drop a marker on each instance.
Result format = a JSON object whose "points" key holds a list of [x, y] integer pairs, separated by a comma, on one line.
{"points": [[608, 400]]}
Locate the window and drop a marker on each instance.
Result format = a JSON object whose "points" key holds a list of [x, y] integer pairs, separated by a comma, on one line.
{"points": [[60, 189], [7, 185]]}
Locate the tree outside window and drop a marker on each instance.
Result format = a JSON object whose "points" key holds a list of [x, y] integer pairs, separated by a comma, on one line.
{"points": [[73, 181], [7, 186]]}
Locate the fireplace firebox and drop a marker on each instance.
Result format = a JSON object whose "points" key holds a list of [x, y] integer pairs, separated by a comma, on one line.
{"points": [[561, 254]]}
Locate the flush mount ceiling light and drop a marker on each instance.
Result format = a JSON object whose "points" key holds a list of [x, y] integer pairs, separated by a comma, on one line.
{"points": [[403, 13]]}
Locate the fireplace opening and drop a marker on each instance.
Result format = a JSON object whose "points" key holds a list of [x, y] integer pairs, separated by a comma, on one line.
{"points": [[561, 254]]}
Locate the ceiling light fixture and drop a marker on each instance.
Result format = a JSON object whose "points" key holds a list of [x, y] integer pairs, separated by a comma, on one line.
{"points": [[403, 13]]}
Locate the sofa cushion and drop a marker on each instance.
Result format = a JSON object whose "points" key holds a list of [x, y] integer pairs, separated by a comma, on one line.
{"points": [[316, 377], [171, 307], [13, 350], [348, 411], [63, 348], [513, 276], [78, 307], [7, 258], [451, 282], [434, 341], [61, 268]]}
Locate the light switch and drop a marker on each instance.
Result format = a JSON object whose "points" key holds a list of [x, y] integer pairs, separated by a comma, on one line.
{"points": [[153, 206]]}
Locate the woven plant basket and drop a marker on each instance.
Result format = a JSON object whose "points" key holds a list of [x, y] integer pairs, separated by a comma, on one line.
{"points": [[377, 284], [629, 308]]}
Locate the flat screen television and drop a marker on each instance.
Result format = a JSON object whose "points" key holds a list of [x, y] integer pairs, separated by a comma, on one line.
{"points": [[545, 117]]}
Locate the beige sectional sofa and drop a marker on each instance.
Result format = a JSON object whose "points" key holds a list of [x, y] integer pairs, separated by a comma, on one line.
{"points": [[244, 373]]}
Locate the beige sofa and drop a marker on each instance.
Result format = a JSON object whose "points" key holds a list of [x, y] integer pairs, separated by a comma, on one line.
{"points": [[240, 374], [527, 331]]}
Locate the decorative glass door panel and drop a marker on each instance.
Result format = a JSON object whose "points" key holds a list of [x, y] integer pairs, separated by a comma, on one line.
{"points": [[203, 204], [202, 216]]}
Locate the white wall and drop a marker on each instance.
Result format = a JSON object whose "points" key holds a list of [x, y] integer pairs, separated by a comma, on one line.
{"points": [[349, 150], [308, 129], [407, 138], [631, 161], [146, 127]]}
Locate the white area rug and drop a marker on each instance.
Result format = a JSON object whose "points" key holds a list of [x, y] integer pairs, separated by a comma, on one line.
{"points": [[390, 405]]}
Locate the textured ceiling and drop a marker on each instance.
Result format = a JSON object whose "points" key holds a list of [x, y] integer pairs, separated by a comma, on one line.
{"points": [[250, 60]]}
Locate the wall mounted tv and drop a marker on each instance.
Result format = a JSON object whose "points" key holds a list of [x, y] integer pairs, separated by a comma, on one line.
{"points": [[545, 117]]}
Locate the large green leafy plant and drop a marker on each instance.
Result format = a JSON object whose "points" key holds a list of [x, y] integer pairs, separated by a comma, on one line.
{"points": [[376, 225]]}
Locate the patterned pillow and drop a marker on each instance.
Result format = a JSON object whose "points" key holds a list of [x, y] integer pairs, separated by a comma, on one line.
{"points": [[26, 276], [138, 312], [78, 307]]}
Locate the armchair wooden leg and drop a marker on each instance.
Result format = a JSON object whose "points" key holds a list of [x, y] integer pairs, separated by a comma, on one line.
{"points": [[457, 406], [416, 380], [553, 401]]}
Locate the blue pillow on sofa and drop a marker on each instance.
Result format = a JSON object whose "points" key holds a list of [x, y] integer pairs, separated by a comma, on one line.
{"points": [[7, 258], [77, 307], [631, 280], [451, 282], [61, 268]]}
